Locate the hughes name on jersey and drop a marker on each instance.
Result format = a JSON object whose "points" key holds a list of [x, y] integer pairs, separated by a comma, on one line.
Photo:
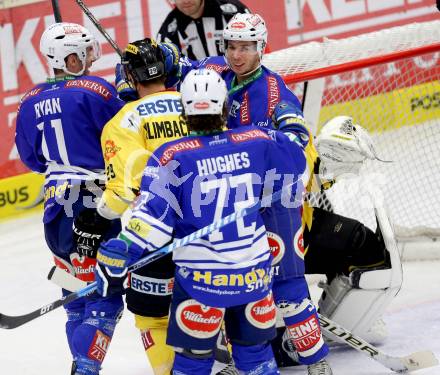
{"points": [[195, 181], [58, 133]]}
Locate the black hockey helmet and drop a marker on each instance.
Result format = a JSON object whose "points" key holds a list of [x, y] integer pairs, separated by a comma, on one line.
{"points": [[144, 60]]}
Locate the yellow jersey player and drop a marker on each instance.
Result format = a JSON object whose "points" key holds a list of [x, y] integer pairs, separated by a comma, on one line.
{"points": [[128, 140]]}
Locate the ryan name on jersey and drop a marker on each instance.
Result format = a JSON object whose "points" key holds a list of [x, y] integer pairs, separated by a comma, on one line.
{"points": [[47, 107]]}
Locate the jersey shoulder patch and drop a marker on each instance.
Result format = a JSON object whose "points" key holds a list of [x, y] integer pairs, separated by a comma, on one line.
{"points": [[187, 144], [97, 86], [32, 92], [248, 135]]}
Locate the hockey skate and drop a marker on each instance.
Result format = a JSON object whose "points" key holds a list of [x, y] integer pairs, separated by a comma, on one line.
{"points": [[228, 370], [319, 368]]}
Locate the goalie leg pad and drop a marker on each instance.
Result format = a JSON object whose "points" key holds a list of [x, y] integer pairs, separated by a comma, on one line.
{"points": [[356, 302], [153, 334]]}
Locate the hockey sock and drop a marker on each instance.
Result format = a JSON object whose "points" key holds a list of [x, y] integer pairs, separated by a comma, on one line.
{"points": [[303, 326], [301, 319], [154, 334], [185, 364], [254, 359], [91, 339]]}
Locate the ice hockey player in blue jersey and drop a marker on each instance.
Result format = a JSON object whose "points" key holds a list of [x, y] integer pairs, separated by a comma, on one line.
{"points": [[259, 97], [254, 92], [226, 275], [329, 251], [58, 129]]}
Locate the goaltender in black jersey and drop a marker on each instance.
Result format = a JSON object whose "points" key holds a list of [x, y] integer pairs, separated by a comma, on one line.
{"points": [[196, 26]]}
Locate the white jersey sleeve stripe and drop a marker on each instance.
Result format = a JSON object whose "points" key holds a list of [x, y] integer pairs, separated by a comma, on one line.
{"points": [[140, 214]]}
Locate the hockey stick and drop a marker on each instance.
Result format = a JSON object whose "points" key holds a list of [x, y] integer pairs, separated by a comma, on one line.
{"points": [[65, 280], [10, 322], [56, 11], [412, 362], [97, 24]]}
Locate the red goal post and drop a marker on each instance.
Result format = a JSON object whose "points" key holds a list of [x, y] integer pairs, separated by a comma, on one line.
{"points": [[389, 82]]}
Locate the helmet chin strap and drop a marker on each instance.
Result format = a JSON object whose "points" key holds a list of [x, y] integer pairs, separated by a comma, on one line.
{"points": [[251, 72]]}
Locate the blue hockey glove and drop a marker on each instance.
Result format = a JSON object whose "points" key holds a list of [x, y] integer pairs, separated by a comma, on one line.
{"points": [[125, 91], [172, 67], [288, 118], [112, 267]]}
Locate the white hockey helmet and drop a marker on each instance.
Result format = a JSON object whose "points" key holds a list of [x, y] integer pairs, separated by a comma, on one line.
{"points": [[247, 27], [62, 39], [203, 93]]}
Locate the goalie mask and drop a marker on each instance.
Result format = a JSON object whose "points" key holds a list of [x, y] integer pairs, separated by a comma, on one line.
{"points": [[343, 146], [203, 93], [143, 60], [63, 39], [247, 28]]}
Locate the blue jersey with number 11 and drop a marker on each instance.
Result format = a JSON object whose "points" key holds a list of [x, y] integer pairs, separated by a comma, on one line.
{"points": [[59, 125]]}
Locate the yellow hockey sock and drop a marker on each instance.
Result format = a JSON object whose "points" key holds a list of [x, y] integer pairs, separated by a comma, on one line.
{"points": [[154, 334]]}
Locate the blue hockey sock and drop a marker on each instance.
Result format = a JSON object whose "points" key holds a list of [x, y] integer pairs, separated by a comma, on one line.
{"points": [[185, 365], [254, 359]]}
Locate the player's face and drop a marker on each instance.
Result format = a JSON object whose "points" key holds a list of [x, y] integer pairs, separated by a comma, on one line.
{"points": [[190, 8], [242, 56], [74, 64]]}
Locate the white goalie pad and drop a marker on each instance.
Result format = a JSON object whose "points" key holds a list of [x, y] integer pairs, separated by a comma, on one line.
{"points": [[357, 302], [343, 146]]}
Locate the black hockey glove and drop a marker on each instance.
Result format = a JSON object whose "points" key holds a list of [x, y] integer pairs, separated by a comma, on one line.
{"points": [[89, 229]]}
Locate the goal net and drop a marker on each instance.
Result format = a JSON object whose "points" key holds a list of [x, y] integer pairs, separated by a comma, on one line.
{"points": [[389, 82]]}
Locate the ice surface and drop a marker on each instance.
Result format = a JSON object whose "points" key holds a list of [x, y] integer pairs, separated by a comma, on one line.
{"points": [[40, 347]]}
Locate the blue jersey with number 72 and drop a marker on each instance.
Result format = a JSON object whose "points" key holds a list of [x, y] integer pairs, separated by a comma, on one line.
{"points": [[195, 181]]}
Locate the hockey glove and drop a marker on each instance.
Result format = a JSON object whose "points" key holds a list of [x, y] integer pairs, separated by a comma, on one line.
{"points": [[112, 268], [89, 229], [288, 118], [125, 91], [172, 67]]}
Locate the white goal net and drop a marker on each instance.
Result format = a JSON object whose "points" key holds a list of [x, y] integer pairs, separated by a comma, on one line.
{"points": [[389, 82]]}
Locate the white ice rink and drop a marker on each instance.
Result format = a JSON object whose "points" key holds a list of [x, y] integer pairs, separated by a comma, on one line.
{"points": [[39, 347]]}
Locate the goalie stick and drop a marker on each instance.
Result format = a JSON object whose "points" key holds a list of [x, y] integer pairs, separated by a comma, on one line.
{"points": [[412, 362], [10, 322]]}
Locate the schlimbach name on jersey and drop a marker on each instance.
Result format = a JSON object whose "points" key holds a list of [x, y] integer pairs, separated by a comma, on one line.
{"points": [[223, 164], [165, 129]]}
